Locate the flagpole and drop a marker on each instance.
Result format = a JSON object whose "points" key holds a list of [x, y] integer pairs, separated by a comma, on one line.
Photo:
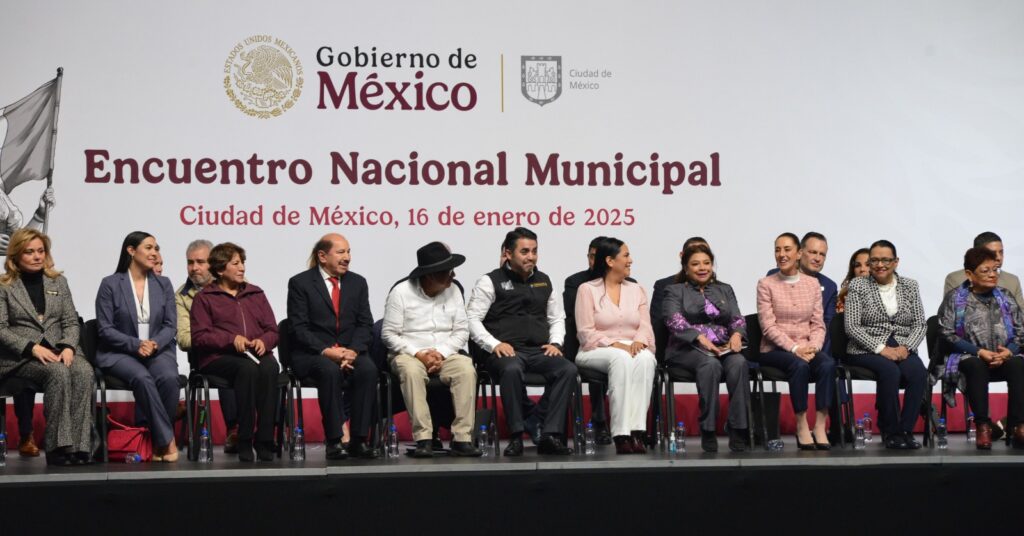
{"points": [[53, 147]]}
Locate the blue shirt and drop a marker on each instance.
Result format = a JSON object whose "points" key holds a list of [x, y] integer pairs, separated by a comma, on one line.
{"points": [[829, 293]]}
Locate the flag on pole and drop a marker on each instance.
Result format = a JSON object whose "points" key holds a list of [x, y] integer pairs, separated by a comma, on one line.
{"points": [[27, 149]]}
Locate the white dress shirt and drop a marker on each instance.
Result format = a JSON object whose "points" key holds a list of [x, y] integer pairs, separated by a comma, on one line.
{"points": [[141, 306], [414, 321], [480, 302], [327, 280], [890, 300]]}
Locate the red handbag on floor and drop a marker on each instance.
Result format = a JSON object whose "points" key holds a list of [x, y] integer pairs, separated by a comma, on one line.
{"points": [[123, 440]]}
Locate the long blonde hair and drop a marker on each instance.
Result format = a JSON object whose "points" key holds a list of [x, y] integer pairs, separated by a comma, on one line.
{"points": [[16, 246]]}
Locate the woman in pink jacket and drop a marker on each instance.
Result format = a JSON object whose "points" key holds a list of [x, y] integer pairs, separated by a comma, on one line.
{"points": [[614, 328], [790, 312], [233, 333]]}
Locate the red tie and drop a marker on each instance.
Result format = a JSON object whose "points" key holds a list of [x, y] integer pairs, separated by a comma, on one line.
{"points": [[336, 301]]}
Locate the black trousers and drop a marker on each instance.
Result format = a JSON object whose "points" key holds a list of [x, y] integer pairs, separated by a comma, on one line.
{"points": [[228, 407], [910, 373], [24, 406], [559, 373], [977, 374], [822, 369], [334, 386], [256, 393]]}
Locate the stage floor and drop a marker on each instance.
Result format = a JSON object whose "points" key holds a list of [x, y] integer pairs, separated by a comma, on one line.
{"points": [[35, 471], [600, 494]]}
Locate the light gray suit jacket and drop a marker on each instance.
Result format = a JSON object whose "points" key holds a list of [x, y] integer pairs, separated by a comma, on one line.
{"points": [[20, 324]]}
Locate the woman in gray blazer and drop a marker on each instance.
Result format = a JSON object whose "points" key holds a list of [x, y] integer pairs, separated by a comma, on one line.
{"points": [[885, 322], [706, 333], [137, 323], [39, 341]]}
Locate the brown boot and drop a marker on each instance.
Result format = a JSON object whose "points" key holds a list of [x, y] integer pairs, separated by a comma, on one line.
{"points": [[984, 439], [1018, 436], [27, 447]]}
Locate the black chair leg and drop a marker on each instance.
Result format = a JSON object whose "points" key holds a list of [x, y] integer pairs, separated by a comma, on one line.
{"points": [[670, 407], [851, 408], [298, 407], [187, 425], [3, 414], [759, 385], [837, 414], [578, 435], [103, 420], [282, 421]]}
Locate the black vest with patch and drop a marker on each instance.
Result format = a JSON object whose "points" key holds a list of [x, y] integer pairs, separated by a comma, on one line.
{"points": [[519, 314]]}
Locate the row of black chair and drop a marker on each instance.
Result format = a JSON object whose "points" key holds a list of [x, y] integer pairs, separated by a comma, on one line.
{"points": [[197, 387]]}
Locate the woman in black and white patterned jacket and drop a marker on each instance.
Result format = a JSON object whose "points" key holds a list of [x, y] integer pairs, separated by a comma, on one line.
{"points": [[885, 322]]}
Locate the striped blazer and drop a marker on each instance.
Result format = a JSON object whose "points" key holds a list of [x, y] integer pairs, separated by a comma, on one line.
{"points": [[869, 326]]}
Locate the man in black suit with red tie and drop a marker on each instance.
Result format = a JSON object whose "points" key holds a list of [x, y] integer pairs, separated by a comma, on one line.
{"points": [[331, 323]]}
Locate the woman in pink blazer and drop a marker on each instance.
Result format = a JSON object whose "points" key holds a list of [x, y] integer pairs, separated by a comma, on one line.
{"points": [[790, 312], [614, 328]]}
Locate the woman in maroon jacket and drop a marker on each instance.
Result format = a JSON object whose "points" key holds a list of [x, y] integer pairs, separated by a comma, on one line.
{"points": [[233, 333]]}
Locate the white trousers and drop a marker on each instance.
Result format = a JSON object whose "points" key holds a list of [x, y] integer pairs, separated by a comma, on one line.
{"points": [[630, 381]]}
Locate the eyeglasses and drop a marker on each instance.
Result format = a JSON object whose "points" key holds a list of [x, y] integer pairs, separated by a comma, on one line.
{"points": [[885, 261], [987, 272]]}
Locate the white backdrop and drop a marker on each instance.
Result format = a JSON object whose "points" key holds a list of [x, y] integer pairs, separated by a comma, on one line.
{"points": [[861, 120]]}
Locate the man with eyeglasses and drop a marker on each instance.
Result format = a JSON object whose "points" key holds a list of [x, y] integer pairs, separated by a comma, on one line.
{"points": [[993, 243]]}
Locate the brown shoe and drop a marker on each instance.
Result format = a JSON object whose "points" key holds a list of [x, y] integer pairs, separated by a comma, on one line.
{"points": [[27, 447], [984, 439], [1018, 436], [231, 441]]}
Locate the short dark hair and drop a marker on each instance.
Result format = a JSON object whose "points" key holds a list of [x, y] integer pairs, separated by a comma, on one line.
{"points": [[693, 240], [810, 235], [514, 235], [884, 244], [986, 238], [977, 255], [608, 247], [221, 255], [685, 259], [595, 242], [793, 237]]}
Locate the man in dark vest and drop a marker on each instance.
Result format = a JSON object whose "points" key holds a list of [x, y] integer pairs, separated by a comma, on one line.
{"points": [[516, 317]]}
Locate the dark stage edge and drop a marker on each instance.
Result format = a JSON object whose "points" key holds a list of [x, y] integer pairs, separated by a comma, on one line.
{"points": [[840, 492]]}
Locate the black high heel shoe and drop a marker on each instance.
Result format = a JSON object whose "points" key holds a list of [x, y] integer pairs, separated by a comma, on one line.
{"points": [[821, 446], [805, 446]]}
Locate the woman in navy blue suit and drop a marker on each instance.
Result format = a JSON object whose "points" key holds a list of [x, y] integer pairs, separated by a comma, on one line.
{"points": [[137, 324]]}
